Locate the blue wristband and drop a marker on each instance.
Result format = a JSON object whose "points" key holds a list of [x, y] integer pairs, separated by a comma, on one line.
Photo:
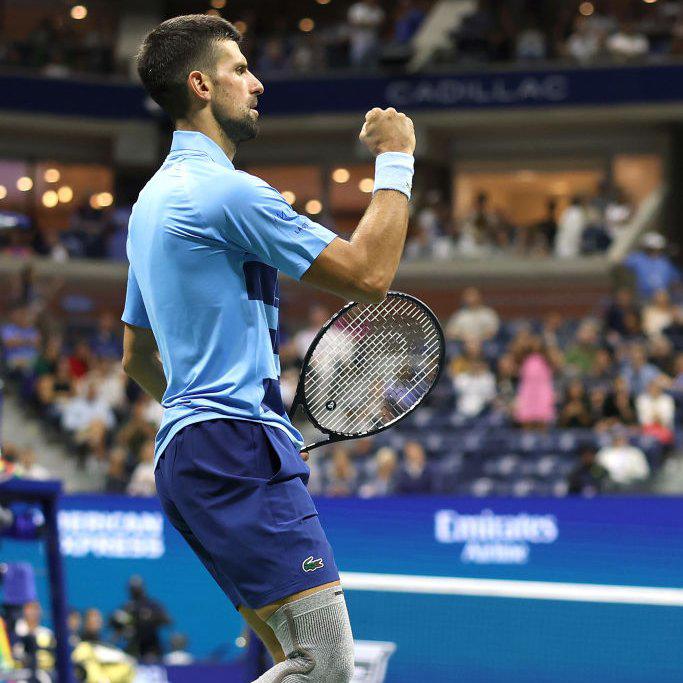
{"points": [[394, 171]]}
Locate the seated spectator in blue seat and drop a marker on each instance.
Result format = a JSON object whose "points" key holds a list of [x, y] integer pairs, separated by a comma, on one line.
{"points": [[415, 475], [656, 411], [382, 480], [626, 464], [342, 474], [20, 340], [653, 270], [674, 332], [106, 342], [637, 371], [474, 320], [588, 478], [621, 306], [476, 388], [575, 412], [620, 405]]}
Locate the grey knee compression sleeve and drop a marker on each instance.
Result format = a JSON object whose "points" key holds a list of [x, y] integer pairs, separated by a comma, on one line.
{"points": [[316, 638]]}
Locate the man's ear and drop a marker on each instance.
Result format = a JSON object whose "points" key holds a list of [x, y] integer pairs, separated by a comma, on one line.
{"points": [[200, 85]]}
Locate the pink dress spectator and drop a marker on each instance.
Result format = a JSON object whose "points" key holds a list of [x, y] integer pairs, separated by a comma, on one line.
{"points": [[535, 396]]}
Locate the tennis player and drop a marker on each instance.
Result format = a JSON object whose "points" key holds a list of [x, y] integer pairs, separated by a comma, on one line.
{"points": [[205, 246]]}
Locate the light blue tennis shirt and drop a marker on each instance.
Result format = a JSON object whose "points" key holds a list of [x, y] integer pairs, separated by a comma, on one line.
{"points": [[205, 244]]}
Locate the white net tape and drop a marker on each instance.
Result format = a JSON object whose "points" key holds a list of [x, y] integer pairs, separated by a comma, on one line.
{"points": [[372, 366]]}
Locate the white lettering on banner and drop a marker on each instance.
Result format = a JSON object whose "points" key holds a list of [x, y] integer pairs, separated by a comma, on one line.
{"points": [[495, 539], [454, 91], [122, 535]]}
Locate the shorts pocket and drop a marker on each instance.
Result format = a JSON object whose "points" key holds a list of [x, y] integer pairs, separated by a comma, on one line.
{"points": [[286, 493], [289, 501]]}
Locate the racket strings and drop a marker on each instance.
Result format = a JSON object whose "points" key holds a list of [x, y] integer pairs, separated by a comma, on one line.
{"points": [[372, 366]]}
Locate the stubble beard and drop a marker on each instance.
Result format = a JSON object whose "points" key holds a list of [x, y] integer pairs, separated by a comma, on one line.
{"points": [[237, 129]]}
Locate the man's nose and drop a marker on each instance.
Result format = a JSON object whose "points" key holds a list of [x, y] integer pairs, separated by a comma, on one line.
{"points": [[257, 87]]}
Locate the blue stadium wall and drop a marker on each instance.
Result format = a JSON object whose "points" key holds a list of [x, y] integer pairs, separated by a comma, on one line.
{"points": [[479, 637]]}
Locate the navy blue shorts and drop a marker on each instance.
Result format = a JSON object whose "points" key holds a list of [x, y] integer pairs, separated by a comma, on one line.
{"points": [[236, 491]]}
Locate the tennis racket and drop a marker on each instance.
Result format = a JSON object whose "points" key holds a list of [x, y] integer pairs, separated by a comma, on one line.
{"points": [[369, 367]]}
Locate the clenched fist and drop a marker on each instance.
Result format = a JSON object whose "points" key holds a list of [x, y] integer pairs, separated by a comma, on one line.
{"points": [[387, 130]]}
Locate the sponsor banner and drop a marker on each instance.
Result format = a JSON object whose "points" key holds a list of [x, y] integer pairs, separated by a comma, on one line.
{"points": [[477, 589], [465, 90]]}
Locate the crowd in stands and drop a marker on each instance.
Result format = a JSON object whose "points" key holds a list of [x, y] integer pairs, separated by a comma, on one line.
{"points": [[582, 32], [371, 34], [56, 49], [587, 225], [612, 381]]}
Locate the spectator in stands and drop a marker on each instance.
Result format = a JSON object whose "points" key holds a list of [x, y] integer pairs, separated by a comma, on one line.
{"points": [[106, 342], [585, 43], [547, 226], [365, 18], [136, 430], [116, 480], [474, 320], [588, 478], [620, 407], [342, 475], [621, 306], [658, 314], [382, 481], [20, 340], [87, 418], [472, 352], [661, 355], [108, 376], [535, 402], [415, 476], [530, 43], [627, 43], [626, 464], [652, 268], [602, 371], [506, 385], [656, 412], [483, 229], [80, 359], [575, 413], [637, 371], [408, 18], [677, 381], [570, 229], [142, 482], [29, 468], [476, 389], [33, 644], [582, 353], [674, 332], [597, 406]]}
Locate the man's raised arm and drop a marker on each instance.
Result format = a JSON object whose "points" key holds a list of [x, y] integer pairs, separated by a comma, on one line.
{"points": [[364, 267]]}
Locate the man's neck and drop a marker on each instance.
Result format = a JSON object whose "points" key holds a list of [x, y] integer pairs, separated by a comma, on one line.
{"points": [[212, 131]]}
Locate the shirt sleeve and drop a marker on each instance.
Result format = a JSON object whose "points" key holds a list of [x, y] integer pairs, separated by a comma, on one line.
{"points": [[261, 221], [134, 312]]}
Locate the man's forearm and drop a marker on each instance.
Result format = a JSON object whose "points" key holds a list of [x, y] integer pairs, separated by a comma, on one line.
{"points": [[381, 234], [148, 372]]}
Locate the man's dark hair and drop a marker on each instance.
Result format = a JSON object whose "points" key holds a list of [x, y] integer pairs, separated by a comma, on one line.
{"points": [[175, 48]]}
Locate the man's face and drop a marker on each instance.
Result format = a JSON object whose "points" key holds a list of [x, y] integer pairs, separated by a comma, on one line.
{"points": [[235, 94]]}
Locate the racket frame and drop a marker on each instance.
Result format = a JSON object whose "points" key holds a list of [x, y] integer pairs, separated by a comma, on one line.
{"points": [[299, 397]]}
